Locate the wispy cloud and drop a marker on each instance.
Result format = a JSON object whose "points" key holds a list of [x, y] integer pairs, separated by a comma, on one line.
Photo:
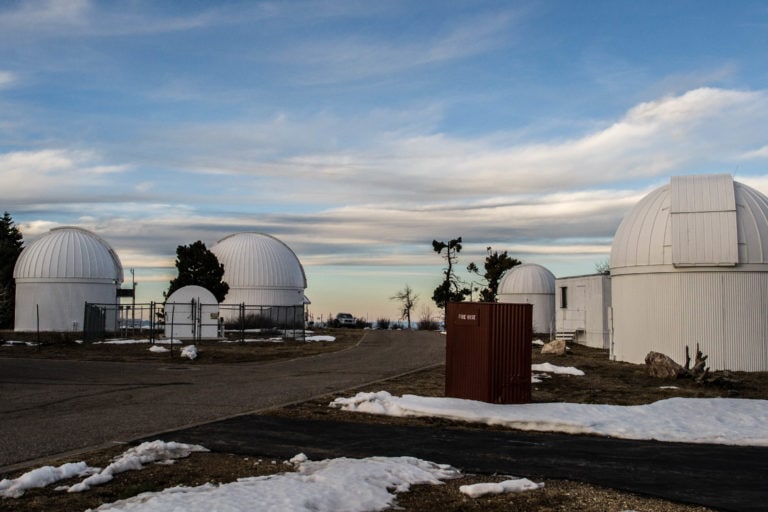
{"points": [[351, 58], [52, 172], [7, 79]]}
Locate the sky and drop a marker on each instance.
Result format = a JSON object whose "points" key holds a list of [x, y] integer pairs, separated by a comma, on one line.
{"points": [[357, 132]]}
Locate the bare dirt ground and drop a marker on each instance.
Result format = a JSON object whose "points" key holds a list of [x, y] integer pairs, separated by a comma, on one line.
{"points": [[605, 382]]}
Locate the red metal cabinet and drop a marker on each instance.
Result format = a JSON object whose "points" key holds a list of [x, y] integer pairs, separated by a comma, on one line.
{"points": [[488, 352]]}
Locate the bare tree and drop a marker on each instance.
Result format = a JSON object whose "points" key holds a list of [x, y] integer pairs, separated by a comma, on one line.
{"points": [[408, 301]]}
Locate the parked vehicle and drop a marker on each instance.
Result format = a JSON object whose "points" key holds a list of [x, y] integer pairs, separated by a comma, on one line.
{"points": [[345, 320]]}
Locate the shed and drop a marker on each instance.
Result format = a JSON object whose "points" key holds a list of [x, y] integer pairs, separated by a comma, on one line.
{"points": [[582, 309], [530, 283], [689, 265], [58, 273], [192, 313]]}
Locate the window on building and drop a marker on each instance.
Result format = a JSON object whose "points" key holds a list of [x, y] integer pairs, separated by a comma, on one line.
{"points": [[563, 297]]}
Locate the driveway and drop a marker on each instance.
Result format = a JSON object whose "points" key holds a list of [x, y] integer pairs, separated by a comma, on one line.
{"points": [[52, 407]]}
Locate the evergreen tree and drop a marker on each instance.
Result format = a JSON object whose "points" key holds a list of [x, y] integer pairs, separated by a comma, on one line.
{"points": [[11, 244], [496, 264], [198, 266], [450, 290]]}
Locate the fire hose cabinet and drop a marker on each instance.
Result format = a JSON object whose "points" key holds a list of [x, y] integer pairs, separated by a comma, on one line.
{"points": [[488, 352]]}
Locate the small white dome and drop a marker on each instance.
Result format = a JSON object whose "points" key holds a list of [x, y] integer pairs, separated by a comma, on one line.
{"points": [[719, 223], [186, 294], [69, 253], [257, 260], [528, 278]]}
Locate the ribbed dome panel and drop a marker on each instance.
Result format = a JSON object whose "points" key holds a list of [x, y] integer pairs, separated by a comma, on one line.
{"points": [[527, 278], [644, 237], [257, 260], [69, 253]]}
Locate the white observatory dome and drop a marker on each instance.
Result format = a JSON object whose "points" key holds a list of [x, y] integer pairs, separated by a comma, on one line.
{"points": [[689, 266], [260, 270], [527, 278], [58, 273]]}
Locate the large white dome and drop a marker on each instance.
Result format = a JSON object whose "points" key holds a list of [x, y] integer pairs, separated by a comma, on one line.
{"points": [[694, 222], [527, 278], [257, 260], [69, 253], [689, 267]]}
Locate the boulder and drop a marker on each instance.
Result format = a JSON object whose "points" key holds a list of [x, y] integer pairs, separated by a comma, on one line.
{"points": [[662, 366], [555, 347]]}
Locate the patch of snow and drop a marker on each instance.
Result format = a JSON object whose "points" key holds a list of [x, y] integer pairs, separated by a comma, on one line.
{"points": [[732, 421], [668, 387], [538, 343], [190, 352], [515, 485], [328, 485], [158, 349], [41, 477], [135, 458], [320, 338], [560, 370]]}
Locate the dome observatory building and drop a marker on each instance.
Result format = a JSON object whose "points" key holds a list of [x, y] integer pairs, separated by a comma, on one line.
{"points": [[58, 273], [260, 271], [530, 283], [689, 265]]}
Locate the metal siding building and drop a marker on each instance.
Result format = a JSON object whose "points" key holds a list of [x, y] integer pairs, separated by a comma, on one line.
{"points": [[260, 271], [58, 273], [689, 266], [530, 283], [582, 308]]}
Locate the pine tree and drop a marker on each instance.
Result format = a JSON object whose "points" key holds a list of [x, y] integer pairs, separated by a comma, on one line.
{"points": [[496, 264], [11, 245], [451, 289], [198, 266]]}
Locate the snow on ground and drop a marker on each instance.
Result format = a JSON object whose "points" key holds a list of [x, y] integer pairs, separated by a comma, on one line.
{"points": [[551, 368], [484, 489], [328, 485], [190, 352], [132, 459], [320, 338], [158, 349], [686, 420]]}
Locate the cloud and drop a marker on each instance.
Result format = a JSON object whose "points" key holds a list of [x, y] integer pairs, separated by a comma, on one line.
{"points": [[44, 174], [345, 58], [78, 18], [7, 79]]}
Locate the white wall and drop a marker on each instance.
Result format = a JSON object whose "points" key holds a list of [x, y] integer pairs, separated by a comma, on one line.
{"points": [[726, 313], [587, 309], [543, 318], [61, 303]]}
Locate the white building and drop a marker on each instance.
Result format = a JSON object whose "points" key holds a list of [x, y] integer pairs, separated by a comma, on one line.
{"points": [[530, 283], [260, 271], [192, 313], [689, 266], [58, 273], [583, 309]]}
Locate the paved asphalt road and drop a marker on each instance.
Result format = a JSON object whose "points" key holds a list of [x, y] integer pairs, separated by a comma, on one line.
{"points": [[716, 476], [50, 407]]}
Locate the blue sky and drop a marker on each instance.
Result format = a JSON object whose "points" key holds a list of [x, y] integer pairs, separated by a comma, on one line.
{"points": [[357, 132]]}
